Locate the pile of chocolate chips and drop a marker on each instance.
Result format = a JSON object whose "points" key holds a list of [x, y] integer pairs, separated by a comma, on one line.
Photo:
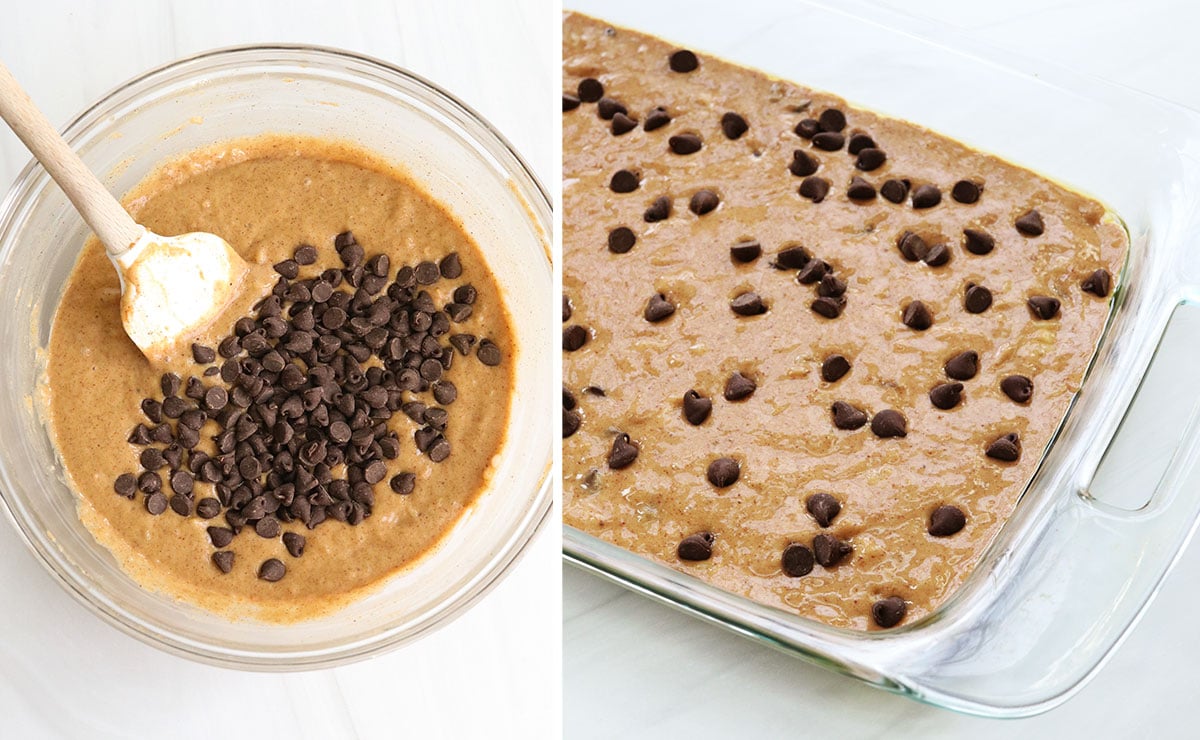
{"points": [[308, 384]]}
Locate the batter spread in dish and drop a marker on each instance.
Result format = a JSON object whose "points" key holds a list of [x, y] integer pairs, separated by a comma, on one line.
{"points": [[325, 431], [812, 355]]}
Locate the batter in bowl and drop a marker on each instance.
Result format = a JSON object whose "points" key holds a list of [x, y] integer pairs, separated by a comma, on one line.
{"points": [[812, 355], [330, 427]]}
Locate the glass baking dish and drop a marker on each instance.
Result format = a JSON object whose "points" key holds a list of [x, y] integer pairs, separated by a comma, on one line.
{"points": [[1069, 574]]}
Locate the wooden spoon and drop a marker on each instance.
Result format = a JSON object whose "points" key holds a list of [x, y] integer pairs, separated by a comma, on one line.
{"points": [[171, 287]]}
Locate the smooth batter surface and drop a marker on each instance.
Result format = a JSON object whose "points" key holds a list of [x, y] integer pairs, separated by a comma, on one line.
{"points": [[265, 197], [783, 435]]}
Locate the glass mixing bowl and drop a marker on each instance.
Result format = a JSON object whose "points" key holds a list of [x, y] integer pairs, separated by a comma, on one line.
{"points": [[230, 93]]}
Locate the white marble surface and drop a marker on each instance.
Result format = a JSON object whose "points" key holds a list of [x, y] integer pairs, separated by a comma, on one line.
{"points": [[634, 669], [495, 671]]}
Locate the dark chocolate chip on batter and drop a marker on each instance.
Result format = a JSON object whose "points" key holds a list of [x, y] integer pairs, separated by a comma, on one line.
{"points": [[889, 423], [834, 367], [570, 422], [946, 520], [744, 252], [797, 560], [829, 550], [858, 142], [685, 143], [294, 543], [590, 90], [1044, 307], [937, 255], [696, 547], [606, 108], [569, 102], [696, 408], [889, 612], [1019, 388], [808, 128], [724, 472], [828, 306], [917, 316], [1099, 283], [703, 202], [223, 560], [926, 196], [1030, 224], [748, 304], [658, 308], [659, 210], [125, 485], [791, 258], [272, 570], [622, 124], [739, 387], [574, 337], [803, 164], [894, 191], [871, 159], [846, 416], [624, 181], [733, 125], [912, 246], [963, 366], [202, 354], [814, 188], [946, 396], [965, 191], [403, 483], [829, 141], [832, 119], [1006, 448], [860, 190], [656, 119], [623, 452], [977, 298], [621, 240], [683, 61], [823, 507]]}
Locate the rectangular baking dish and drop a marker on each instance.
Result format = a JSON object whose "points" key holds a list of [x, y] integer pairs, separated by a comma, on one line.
{"points": [[1069, 574]]}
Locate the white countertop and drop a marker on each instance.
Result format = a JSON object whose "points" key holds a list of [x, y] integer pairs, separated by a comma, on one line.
{"points": [[635, 669], [492, 673]]}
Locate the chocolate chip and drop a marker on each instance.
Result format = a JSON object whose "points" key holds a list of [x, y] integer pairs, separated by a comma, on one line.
{"points": [[791, 258], [223, 560], [808, 128], [569, 102], [696, 547], [978, 242], [745, 251], [827, 306], [149, 482], [590, 90], [1017, 387], [403, 483], [656, 119], [889, 423], [268, 527], [685, 143], [1006, 448], [963, 366], [703, 202], [622, 124], [860, 189], [156, 503], [606, 108], [739, 387], [624, 181], [450, 266], [965, 191], [831, 286], [215, 398], [170, 384], [621, 240], [889, 612], [181, 482], [846, 416], [912, 247], [1044, 307], [125, 485], [658, 308], [220, 536], [623, 452], [733, 125], [834, 367], [831, 119], [917, 316], [203, 355], [574, 337], [488, 353], [696, 408], [926, 196], [797, 560], [294, 543], [977, 299], [946, 395], [858, 142], [1098, 283], [938, 255], [748, 304], [290, 269], [426, 273], [829, 550], [814, 188], [946, 521], [566, 314], [871, 159], [571, 420], [1030, 224], [724, 472], [803, 164], [894, 191], [684, 61], [151, 458], [659, 210], [823, 507], [829, 141], [272, 570], [305, 254], [208, 508]]}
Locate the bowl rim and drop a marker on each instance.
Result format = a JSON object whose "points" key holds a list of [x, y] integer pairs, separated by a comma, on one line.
{"points": [[539, 209]]}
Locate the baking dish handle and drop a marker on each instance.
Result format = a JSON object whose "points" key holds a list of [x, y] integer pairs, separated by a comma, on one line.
{"points": [[1093, 571]]}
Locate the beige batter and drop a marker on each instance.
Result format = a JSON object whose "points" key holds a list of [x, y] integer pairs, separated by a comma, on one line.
{"points": [[783, 435], [265, 197]]}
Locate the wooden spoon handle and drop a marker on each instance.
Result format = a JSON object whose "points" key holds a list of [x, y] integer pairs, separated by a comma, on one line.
{"points": [[98, 207]]}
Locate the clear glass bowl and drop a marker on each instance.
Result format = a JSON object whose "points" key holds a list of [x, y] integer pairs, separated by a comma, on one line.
{"points": [[1072, 570], [238, 92]]}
